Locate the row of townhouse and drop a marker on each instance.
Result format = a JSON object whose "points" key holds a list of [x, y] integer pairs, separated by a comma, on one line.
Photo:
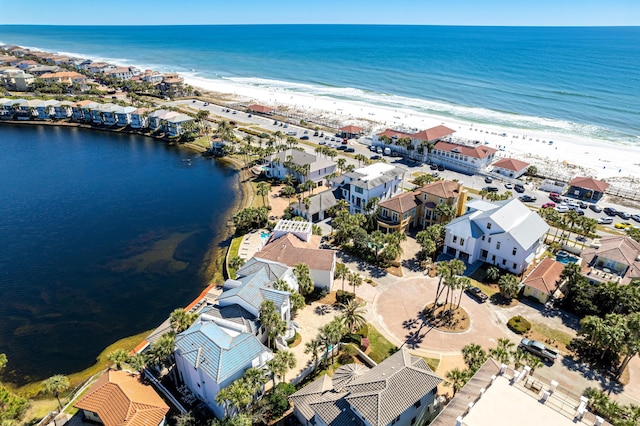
{"points": [[169, 122]]}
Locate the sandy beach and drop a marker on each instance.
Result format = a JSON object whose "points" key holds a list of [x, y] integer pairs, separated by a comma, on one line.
{"points": [[553, 154]]}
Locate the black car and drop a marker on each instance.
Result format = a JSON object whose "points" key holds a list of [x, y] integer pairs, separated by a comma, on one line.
{"points": [[350, 150], [341, 147], [636, 217], [491, 189], [304, 138], [610, 211], [375, 157], [527, 198], [433, 167], [441, 168], [596, 208], [518, 187], [623, 215], [477, 294]]}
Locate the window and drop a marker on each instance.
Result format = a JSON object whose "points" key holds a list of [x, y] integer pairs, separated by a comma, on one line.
{"points": [[488, 225], [455, 238], [515, 266], [394, 216], [504, 261], [413, 421], [498, 245], [417, 404], [461, 241], [358, 190], [515, 250], [396, 420], [484, 254], [489, 240], [385, 212], [483, 238]]}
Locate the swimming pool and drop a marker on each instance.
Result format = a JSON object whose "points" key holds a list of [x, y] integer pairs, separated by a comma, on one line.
{"points": [[265, 235], [564, 257]]}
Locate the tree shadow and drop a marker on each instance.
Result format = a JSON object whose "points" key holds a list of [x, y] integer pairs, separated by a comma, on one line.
{"points": [[552, 311], [500, 300], [606, 379]]}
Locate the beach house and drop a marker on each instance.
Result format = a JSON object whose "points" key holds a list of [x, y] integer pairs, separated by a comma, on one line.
{"points": [[318, 205], [378, 180], [81, 111], [468, 159], [587, 188], [299, 164], [177, 125], [123, 114], [615, 259], [510, 167], [544, 281], [413, 145], [419, 208], [506, 234], [139, 118], [121, 398], [62, 110], [401, 391]]}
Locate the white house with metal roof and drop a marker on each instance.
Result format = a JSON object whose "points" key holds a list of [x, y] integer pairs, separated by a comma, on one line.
{"points": [[399, 391], [213, 353], [506, 234], [285, 162], [379, 180]]}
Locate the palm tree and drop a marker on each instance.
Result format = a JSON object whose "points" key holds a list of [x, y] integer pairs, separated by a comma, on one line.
{"points": [[236, 262], [533, 362], [180, 320], [445, 212], [493, 273], [239, 395], [54, 385], [503, 351], [508, 284], [162, 349], [341, 272], [118, 357], [303, 277], [474, 356], [222, 399], [288, 191], [341, 162], [255, 379], [457, 378], [281, 363], [138, 362], [355, 280], [463, 284], [353, 315], [263, 190], [331, 334], [442, 270], [271, 320], [313, 347]]}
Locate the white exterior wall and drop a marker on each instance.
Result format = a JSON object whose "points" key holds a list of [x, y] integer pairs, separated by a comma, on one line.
{"points": [[123, 119], [198, 382], [460, 162], [139, 121], [509, 173], [383, 192], [62, 112], [322, 279]]}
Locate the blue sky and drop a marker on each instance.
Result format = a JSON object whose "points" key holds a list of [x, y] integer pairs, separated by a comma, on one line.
{"points": [[418, 12]]}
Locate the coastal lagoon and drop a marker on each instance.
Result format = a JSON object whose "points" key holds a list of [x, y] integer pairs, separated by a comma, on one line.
{"points": [[102, 235]]}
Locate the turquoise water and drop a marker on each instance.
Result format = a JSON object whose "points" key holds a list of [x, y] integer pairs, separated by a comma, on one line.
{"points": [[103, 235], [265, 235], [567, 259], [583, 81]]}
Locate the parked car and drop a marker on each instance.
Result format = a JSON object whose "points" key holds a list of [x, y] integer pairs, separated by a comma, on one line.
{"points": [[538, 349], [605, 220], [350, 150], [441, 168], [375, 157], [304, 138], [488, 179], [508, 185], [527, 198], [582, 205], [477, 294], [623, 225], [562, 208], [344, 142], [624, 215], [315, 133], [433, 167], [636, 217], [519, 188], [491, 188], [548, 205], [594, 207], [306, 132], [555, 198], [610, 211], [342, 148], [322, 142], [372, 148]]}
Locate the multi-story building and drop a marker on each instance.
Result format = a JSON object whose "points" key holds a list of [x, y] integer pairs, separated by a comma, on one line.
{"points": [[469, 159], [301, 165]]}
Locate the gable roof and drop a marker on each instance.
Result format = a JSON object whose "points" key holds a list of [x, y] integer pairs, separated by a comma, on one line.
{"points": [[274, 270], [511, 164], [301, 158], [289, 250], [546, 276], [442, 189], [378, 395], [216, 351], [622, 249], [253, 289], [119, 399], [259, 108], [401, 203], [433, 133], [480, 151], [351, 129], [589, 183]]}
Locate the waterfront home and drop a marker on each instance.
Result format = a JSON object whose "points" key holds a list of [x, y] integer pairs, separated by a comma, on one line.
{"points": [[81, 111], [176, 125], [379, 180], [412, 145], [510, 167], [615, 259], [469, 159], [157, 119], [318, 205], [293, 243], [65, 77], [171, 84], [99, 67], [419, 208], [401, 391], [123, 73], [213, 353], [6, 60], [139, 118], [44, 69], [104, 114], [506, 234], [123, 114], [587, 188], [121, 398], [301, 165], [63, 110], [150, 76], [25, 64], [544, 281]]}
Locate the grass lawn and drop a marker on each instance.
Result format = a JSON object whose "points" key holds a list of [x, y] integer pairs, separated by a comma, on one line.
{"points": [[380, 348], [551, 333], [433, 363], [234, 248]]}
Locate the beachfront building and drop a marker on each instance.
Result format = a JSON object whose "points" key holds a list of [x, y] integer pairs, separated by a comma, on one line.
{"points": [[260, 109], [378, 180], [120, 398], [419, 208], [400, 391], [301, 165], [123, 73], [544, 281], [411, 145], [587, 188], [215, 351], [293, 243], [139, 118], [171, 85], [15, 79], [351, 132], [506, 234], [44, 69], [104, 114], [614, 259], [510, 167], [65, 77], [469, 159]]}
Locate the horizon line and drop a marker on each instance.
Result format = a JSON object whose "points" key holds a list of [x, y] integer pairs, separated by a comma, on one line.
{"points": [[325, 24]]}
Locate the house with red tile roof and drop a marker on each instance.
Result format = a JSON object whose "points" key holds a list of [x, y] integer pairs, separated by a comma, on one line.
{"points": [[350, 131], [587, 188], [412, 145], [118, 398], [260, 109], [510, 167], [615, 259], [544, 281], [469, 159]]}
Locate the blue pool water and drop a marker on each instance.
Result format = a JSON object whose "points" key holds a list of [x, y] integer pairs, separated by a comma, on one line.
{"points": [[566, 259], [265, 235]]}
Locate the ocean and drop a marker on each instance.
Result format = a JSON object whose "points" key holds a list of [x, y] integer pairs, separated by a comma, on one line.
{"points": [[103, 235], [573, 80]]}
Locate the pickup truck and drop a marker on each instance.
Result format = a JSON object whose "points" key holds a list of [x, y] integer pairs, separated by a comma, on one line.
{"points": [[538, 349]]}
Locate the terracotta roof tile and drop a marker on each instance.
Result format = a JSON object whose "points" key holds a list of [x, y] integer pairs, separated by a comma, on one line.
{"points": [[442, 189], [290, 250], [480, 151], [401, 203], [351, 129], [510, 164], [589, 183], [546, 276], [259, 108], [433, 133]]}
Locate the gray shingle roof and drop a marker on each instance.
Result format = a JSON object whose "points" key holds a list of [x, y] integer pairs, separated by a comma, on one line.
{"points": [[222, 355]]}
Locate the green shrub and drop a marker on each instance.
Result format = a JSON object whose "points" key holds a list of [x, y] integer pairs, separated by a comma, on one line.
{"points": [[364, 330], [344, 296], [519, 325], [352, 338], [292, 339], [278, 398]]}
